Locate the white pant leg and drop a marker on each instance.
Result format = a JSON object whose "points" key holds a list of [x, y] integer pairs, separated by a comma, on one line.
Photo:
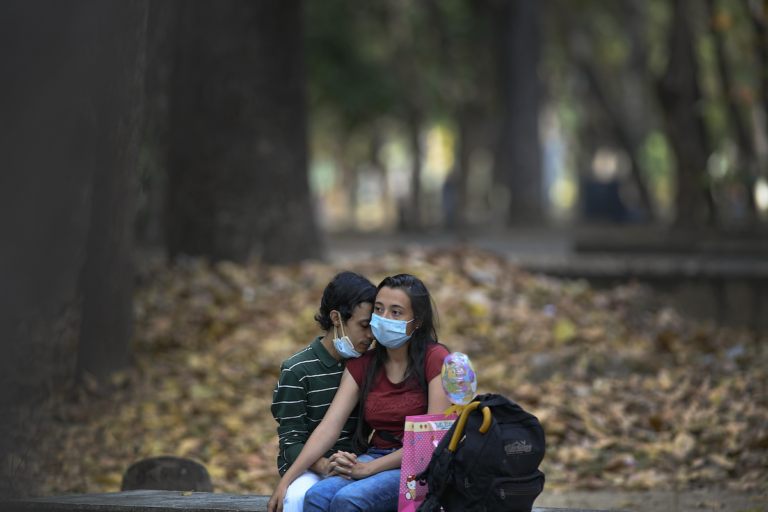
{"points": [[294, 497]]}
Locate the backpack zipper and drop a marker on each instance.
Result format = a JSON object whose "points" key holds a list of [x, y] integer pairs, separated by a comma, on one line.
{"points": [[531, 489], [524, 492]]}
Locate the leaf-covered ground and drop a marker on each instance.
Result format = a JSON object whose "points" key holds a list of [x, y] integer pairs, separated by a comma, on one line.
{"points": [[632, 396]]}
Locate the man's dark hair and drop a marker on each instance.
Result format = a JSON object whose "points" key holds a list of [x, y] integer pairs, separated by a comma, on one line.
{"points": [[344, 293]]}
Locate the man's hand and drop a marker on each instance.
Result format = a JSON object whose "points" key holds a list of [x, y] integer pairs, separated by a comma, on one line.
{"points": [[275, 503], [320, 466], [342, 464]]}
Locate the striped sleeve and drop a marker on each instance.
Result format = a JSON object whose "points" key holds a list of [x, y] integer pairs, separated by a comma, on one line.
{"points": [[289, 408]]}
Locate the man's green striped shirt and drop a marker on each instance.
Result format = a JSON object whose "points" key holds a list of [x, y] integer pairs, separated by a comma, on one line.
{"points": [[308, 382]]}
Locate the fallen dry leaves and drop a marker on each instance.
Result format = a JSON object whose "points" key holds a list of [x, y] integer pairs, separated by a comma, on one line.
{"points": [[632, 396]]}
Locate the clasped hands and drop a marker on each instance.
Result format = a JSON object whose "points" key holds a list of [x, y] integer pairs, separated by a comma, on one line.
{"points": [[345, 465]]}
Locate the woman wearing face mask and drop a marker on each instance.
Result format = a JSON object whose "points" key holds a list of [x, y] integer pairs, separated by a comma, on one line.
{"points": [[397, 378]]}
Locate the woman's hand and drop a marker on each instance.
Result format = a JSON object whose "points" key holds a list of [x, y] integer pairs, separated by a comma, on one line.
{"points": [[275, 503], [360, 470], [342, 464]]}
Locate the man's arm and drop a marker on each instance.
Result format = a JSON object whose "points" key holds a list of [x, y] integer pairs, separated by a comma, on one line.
{"points": [[289, 408], [322, 438]]}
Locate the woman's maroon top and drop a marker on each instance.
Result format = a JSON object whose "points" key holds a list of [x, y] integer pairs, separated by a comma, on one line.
{"points": [[388, 404]]}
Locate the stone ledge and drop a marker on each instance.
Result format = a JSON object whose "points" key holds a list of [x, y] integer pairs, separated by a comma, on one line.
{"points": [[140, 501], [160, 501], [645, 266]]}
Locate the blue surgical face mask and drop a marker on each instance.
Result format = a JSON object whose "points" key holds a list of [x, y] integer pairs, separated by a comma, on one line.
{"points": [[390, 333], [344, 345]]}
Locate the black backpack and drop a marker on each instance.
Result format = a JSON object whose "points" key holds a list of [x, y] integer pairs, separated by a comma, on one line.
{"points": [[487, 470]]}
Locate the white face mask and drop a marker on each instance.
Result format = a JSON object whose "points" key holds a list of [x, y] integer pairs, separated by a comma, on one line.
{"points": [[344, 345], [390, 333]]}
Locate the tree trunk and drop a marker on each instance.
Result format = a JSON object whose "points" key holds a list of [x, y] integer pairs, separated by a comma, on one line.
{"points": [[521, 132], [680, 99], [468, 121], [636, 84], [635, 78], [68, 143], [349, 179], [287, 229], [150, 222], [238, 143], [759, 15], [413, 221], [461, 173], [107, 279], [747, 156]]}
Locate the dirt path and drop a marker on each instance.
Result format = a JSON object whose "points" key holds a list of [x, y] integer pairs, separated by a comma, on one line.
{"points": [[658, 501]]}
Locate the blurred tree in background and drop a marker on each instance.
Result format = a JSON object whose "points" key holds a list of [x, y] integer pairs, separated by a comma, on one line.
{"points": [[677, 89], [463, 114], [445, 129], [521, 121], [237, 146]]}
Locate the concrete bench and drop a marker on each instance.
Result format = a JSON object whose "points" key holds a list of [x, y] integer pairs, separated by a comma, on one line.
{"points": [[159, 501]]}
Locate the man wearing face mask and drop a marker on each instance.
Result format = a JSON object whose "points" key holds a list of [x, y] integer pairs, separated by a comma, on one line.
{"points": [[309, 379]]}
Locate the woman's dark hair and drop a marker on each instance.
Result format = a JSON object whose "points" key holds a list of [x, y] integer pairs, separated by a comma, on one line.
{"points": [[344, 293], [425, 333]]}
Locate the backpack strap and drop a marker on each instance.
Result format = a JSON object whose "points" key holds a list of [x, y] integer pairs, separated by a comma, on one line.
{"points": [[499, 400], [463, 421], [507, 410], [386, 435]]}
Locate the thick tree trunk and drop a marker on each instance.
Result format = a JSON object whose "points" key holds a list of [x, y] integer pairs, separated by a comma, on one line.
{"points": [[238, 142], [150, 222], [521, 132], [680, 100], [68, 144], [286, 229], [107, 279]]}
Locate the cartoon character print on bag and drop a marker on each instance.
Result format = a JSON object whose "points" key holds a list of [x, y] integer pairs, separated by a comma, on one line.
{"points": [[411, 493]]}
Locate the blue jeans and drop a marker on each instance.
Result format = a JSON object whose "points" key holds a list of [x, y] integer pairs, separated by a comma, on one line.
{"points": [[377, 493]]}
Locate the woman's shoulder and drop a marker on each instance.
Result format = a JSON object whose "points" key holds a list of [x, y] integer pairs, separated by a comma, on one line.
{"points": [[436, 350], [433, 362]]}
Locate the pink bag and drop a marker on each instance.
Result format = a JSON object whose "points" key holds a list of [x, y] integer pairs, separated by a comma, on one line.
{"points": [[422, 434]]}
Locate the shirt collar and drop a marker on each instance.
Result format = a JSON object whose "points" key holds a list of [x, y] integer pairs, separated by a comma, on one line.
{"points": [[323, 354]]}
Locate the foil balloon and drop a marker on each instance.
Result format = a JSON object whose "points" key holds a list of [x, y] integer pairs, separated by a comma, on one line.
{"points": [[459, 378]]}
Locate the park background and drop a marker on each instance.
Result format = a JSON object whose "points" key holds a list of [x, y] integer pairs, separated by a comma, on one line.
{"points": [[582, 184]]}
